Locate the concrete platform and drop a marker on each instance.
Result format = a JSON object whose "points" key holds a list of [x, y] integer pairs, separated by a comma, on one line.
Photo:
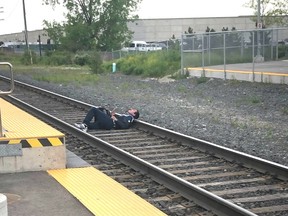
{"points": [[28, 148], [27, 143], [79, 191], [266, 72], [38, 193]]}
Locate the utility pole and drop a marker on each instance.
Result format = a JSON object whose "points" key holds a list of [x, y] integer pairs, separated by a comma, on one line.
{"points": [[1, 19], [39, 42], [258, 57], [25, 25], [1, 11], [26, 33]]}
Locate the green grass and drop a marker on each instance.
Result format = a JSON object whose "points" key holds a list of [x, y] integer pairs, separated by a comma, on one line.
{"points": [[236, 123], [285, 110], [59, 74], [202, 79], [255, 100], [182, 89], [249, 100]]}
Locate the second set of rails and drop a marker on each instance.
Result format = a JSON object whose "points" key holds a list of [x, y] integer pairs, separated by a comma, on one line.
{"points": [[186, 169]]}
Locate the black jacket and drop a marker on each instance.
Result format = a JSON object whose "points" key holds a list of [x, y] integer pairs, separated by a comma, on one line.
{"points": [[123, 121]]}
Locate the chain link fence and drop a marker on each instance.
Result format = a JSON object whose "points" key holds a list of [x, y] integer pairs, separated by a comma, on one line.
{"points": [[223, 49]]}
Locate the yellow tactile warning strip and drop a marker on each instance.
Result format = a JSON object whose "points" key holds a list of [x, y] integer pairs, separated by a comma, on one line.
{"points": [[241, 71], [101, 194], [21, 127]]}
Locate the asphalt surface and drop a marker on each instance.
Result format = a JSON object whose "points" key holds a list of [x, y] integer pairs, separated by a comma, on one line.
{"points": [[266, 67], [38, 193]]}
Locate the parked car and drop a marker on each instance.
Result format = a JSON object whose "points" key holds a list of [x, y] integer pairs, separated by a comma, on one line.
{"points": [[157, 46], [142, 46]]}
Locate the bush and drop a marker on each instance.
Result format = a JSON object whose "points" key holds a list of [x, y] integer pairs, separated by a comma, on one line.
{"points": [[29, 57], [150, 64], [95, 63], [57, 58], [11, 57], [81, 59], [282, 51]]}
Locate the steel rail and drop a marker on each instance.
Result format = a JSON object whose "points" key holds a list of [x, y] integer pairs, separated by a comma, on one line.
{"points": [[262, 165], [249, 161], [190, 191]]}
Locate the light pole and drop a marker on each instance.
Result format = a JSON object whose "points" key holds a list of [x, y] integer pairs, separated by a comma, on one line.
{"points": [[258, 57]]}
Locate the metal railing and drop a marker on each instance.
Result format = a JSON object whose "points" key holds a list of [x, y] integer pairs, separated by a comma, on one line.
{"points": [[6, 92], [12, 79]]}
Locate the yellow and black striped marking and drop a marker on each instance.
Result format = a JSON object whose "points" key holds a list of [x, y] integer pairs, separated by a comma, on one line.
{"points": [[41, 142]]}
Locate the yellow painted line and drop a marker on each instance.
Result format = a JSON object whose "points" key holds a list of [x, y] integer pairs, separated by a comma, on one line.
{"points": [[101, 194], [240, 71]]}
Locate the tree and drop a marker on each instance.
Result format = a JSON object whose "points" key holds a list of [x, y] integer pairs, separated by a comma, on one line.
{"points": [[209, 30], [99, 24], [233, 38], [272, 11], [190, 31], [55, 31]]}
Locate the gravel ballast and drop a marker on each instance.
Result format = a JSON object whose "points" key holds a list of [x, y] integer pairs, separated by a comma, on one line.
{"points": [[244, 116]]}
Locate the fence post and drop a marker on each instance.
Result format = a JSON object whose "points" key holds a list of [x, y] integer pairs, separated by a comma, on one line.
{"points": [[253, 54], [272, 41], [224, 53], [203, 53], [181, 55], [277, 45], [209, 48], [1, 127]]}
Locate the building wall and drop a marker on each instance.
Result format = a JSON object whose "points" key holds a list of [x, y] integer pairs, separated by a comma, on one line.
{"points": [[155, 29], [163, 29], [33, 37]]}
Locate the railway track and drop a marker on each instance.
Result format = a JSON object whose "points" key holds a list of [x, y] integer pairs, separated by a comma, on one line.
{"points": [[192, 175]]}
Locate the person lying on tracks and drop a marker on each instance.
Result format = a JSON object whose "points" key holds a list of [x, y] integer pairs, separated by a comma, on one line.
{"points": [[107, 120]]}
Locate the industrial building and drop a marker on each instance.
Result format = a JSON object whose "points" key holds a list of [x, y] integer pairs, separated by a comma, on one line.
{"points": [[152, 29]]}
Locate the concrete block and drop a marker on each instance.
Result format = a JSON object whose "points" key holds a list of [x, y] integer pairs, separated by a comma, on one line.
{"points": [[3, 205], [35, 159]]}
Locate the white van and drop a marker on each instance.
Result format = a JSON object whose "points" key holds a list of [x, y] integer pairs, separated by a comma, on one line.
{"points": [[141, 46]]}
